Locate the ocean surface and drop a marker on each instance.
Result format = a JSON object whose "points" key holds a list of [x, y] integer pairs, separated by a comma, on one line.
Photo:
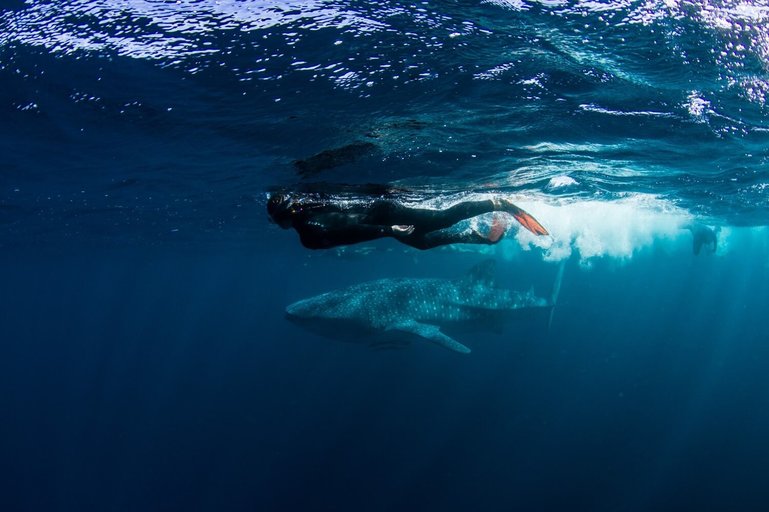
{"points": [[146, 363]]}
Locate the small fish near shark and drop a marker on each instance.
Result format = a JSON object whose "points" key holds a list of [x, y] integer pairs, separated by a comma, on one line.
{"points": [[388, 313]]}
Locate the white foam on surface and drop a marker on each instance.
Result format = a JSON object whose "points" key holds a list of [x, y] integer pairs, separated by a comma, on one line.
{"points": [[561, 182], [593, 229]]}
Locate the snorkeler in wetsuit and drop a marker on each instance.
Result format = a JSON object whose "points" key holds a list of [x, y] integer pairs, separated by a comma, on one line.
{"points": [[323, 223], [703, 236]]}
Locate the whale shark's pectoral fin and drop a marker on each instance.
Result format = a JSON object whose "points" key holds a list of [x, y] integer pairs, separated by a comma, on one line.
{"points": [[432, 333]]}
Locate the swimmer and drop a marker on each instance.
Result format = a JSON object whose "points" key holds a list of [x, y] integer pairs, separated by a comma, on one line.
{"points": [[322, 222], [703, 236]]}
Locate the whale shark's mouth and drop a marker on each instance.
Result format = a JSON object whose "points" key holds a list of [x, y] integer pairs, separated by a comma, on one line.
{"points": [[332, 328], [293, 312]]}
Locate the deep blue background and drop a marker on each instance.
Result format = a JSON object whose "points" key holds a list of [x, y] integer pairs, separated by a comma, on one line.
{"points": [[159, 380], [145, 363]]}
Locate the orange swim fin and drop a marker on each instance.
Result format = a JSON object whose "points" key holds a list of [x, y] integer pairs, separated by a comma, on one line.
{"points": [[529, 222]]}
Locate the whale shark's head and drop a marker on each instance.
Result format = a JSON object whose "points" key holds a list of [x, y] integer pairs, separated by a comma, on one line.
{"points": [[318, 315], [299, 310], [304, 314]]}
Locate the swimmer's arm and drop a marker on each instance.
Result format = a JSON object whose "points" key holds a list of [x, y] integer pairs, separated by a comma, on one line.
{"points": [[349, 224], [352, 225], [380, 229], [330, 230], [356, 229]]}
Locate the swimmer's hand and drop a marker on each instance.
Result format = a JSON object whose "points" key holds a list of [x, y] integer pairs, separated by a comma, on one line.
{"points": [[402, 229]]}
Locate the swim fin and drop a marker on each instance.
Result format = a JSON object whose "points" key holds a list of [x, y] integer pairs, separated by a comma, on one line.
{"points": [[529, 222]]}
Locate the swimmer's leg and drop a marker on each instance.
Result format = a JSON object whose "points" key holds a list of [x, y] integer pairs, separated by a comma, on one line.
{"points": [[469, 209], [438, 238], [426, 220]]}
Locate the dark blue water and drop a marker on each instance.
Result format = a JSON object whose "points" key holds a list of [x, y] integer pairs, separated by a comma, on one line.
{"points": [[145, 362]]}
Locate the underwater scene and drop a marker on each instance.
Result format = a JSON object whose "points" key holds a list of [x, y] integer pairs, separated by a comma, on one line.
{"points": [[337, 255]]}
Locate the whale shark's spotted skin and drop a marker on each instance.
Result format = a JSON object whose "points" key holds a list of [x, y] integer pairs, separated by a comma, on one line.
{"points": [[416, 306]]}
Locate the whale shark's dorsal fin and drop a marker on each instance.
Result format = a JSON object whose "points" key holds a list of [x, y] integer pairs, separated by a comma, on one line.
{"points": [[432, 333], [484, 273]]}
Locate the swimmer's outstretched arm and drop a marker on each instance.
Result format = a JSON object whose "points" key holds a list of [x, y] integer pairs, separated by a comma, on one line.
{"points": [[332, 230]]}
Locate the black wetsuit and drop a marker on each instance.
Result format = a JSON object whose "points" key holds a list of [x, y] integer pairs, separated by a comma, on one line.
{"points": [[324, 225]]}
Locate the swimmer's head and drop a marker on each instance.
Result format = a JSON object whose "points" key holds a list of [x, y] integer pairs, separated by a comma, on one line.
{"points": [[281, 209]]}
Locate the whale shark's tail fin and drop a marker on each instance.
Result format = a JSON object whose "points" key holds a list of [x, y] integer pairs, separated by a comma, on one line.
{"points": [[556, 291]]}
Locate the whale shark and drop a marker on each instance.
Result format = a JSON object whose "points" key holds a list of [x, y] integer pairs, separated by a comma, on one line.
{"points": [[390, 313]]}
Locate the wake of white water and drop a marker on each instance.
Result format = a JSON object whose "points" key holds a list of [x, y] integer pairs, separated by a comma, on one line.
{"points": [[594, 229], [620, 229]]}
